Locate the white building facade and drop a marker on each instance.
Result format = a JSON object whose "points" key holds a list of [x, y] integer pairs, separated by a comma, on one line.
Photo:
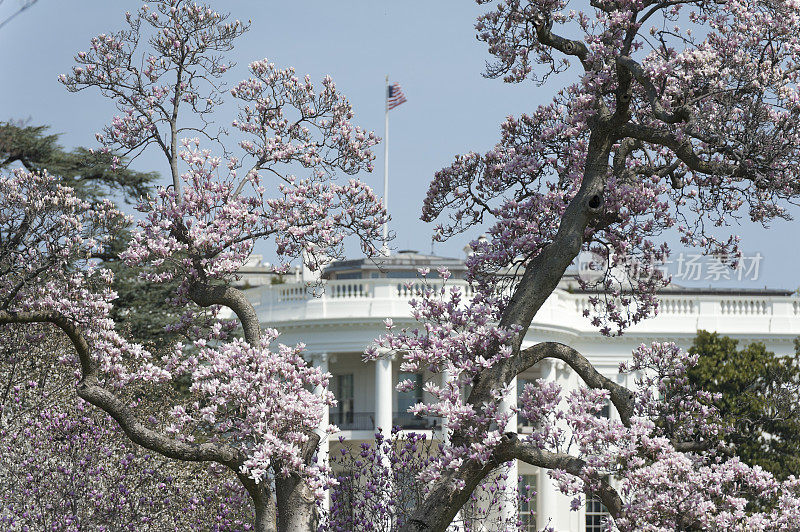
{"points": [[339, 323]]}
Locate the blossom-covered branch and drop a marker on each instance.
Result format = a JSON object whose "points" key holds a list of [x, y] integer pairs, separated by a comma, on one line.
{"points": [[248, 405], [685, 119]]}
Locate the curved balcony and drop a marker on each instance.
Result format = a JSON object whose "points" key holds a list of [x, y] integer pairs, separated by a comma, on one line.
{"points": [[681, 311]]}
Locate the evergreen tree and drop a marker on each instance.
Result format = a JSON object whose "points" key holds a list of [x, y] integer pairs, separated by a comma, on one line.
{"points": [[759, 399], [140, 311], [92, 173]]}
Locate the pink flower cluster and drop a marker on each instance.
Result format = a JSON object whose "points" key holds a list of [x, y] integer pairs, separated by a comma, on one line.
{"points": [[667, 458], [290, 122], [200, 230], [255, 399], [456, 338], [668, 462], [704, 122], [205, 230], [51, 237]]}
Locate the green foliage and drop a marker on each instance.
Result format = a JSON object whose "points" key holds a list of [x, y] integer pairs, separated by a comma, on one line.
{"points": [[91, 173], [760, 393], [141, 310]]}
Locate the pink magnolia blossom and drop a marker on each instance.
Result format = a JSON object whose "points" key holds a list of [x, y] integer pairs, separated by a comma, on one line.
{"points": [[683, 120], [249, 406]]}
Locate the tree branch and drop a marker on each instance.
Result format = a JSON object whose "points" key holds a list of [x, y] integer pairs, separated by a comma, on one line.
{"points": [[571, 47], [626, 147], [681, 114], [620, 395], [295, 501], [25, 6], [543, 273], [206, 295], [513, 448], [90, 390], [683, 149], [265, 508]]}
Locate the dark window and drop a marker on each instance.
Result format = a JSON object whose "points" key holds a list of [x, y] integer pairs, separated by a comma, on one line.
{"points": [[527, 502], [344, 397], [405, 400], [522, 421], [408, 491], [596, 515], [349, 275], [403, 274], [605, 412]]}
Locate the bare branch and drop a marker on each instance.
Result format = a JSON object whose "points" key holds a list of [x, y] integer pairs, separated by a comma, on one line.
{"points": [[562, 44], [620, 395], [683, 149], [26, 5], [513, 448], [233, 298]]}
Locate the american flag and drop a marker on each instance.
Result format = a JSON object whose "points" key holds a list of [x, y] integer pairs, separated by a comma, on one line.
{"points": [[394, 96]]}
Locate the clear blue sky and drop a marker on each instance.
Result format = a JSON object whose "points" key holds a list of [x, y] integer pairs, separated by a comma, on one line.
{"points": [[427, 46]]}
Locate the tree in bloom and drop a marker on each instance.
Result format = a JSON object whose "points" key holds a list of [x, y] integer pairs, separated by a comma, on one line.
{"points": [[378, 486], [89, 172], [252, 403], [685, 117], [67, 466], [667, 463]]}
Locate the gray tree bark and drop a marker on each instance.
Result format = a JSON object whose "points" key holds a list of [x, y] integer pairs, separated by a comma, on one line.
{"points": [[540, 278], [295, 510], [297, 507]]}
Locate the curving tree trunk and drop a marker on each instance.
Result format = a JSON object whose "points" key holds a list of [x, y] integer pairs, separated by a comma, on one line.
{"points": [[541, 276], [297, 506], [294, 507]]}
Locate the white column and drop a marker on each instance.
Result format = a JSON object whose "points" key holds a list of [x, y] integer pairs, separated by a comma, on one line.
{"points": [[509, 405], [552, 508], [545, 492], [383, 394], [458, 525], [500, 507], [509, 508], [320, 360], [446, 380], [383, 419]]}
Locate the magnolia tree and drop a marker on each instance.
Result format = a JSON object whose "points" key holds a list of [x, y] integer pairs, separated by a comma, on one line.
{"points": [[377, 486], [65, 466], [250, 406], [685, 117]]}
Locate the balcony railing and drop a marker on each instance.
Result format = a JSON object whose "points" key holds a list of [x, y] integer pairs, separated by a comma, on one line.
{"points": [[366, 421], [406, 420], [381, 298], [353, 420], [356, 289]]}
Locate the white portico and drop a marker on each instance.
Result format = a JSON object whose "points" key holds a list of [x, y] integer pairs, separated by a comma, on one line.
{"points": [[339, 323]]}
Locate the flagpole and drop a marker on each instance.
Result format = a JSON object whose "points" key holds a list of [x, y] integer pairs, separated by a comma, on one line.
{"points": [[385, 249]]}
